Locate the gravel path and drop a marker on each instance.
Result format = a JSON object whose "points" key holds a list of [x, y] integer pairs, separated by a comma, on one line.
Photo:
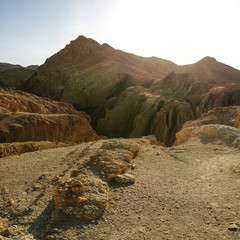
{"points": [[184, 192]]}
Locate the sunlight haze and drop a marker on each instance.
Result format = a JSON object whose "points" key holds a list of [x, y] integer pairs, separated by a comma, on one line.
{"points": [[181, 31]]}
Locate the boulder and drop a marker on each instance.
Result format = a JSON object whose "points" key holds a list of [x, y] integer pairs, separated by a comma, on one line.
{"points": [[84, 197], [210, 132], [125, 178]]}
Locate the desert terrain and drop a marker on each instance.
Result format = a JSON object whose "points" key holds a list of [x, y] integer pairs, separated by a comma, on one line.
{"points": [[98, 143]]}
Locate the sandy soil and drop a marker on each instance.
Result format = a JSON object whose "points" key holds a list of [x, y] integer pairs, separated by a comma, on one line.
{"points": [[191, 191]]}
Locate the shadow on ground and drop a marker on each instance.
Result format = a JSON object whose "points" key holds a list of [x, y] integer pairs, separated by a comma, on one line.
{"points": [[52, 222]]}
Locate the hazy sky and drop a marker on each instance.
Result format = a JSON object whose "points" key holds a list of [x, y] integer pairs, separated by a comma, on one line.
{"points": [[183, 31]]}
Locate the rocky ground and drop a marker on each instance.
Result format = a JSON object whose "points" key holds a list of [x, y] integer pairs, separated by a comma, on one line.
{"points": [[190, 191]]}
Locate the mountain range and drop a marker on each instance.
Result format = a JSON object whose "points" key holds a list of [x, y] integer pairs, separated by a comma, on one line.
{"points": [[131, 96]]}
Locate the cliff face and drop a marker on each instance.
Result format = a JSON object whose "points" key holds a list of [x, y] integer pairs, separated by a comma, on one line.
{"points": [[127, 95], [137, 112], [22, 127], [19, 101], [26, 117]]}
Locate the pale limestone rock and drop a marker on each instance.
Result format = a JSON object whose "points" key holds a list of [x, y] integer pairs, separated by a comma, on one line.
{"points": [[125, 178], [230, 135]]}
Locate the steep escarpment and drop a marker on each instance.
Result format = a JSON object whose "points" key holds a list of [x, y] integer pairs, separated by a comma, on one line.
{"points": [[26, 118], [137, 112], [127, 95], [22, 127], [19, 101]]}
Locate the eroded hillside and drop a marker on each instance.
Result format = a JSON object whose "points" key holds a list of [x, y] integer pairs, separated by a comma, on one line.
{"points": [[131, 96], [28, 123]]}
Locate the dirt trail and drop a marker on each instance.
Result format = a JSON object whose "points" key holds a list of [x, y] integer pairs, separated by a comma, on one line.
{"points": [[184, 192]]}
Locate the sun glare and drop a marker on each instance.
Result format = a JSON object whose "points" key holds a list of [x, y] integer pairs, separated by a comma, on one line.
{"points": [[176, 30]]}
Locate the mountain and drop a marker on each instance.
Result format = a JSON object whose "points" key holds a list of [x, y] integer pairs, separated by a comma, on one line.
{"points": [[15, 75], [128, 95], [6, 66]]}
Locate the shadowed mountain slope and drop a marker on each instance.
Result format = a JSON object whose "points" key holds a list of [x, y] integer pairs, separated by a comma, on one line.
{"points": [[116, 88]]}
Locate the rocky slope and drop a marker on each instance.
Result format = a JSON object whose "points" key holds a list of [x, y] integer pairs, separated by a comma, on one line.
{"points": [[219, 124], [127, 95], [25, 118]]}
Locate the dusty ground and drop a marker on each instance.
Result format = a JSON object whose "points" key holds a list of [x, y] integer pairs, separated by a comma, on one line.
{"points": [[191, 191]]}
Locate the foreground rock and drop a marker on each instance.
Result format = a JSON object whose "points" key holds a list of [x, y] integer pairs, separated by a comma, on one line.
{"points": [[125, 178], [211, 132], [85, 194], [83, 197]]}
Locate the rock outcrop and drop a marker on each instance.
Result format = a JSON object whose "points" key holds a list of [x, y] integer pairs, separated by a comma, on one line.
{"points": [[137, 112], [25, 117], [85, 194], [218, 124], [221, 115], [19, 101], [16, 148], [211, 132], [84, 197], [21, 127]]}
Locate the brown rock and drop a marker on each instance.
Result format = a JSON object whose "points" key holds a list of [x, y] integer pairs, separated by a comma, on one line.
{"points": [[21, 127], [7, 149], [107, 163], [84, 197]]}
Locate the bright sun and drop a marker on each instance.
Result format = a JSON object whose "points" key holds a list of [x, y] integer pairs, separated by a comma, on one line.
{"points": [[177, 30]]}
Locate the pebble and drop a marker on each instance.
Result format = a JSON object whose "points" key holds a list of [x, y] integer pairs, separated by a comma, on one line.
{"points": [[125, 178], [233, 227], [50, 237], [55, 230]]}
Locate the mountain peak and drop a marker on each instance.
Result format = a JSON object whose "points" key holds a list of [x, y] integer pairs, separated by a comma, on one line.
{"points": [[207, 59]]}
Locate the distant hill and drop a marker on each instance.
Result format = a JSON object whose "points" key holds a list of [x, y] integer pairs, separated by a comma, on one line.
{"points": [[6, 66], [32, 67], [15, 75]]}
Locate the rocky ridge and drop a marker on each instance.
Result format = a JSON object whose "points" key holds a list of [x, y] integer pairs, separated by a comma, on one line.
{"points": [[15, 75], [100, 80]]}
